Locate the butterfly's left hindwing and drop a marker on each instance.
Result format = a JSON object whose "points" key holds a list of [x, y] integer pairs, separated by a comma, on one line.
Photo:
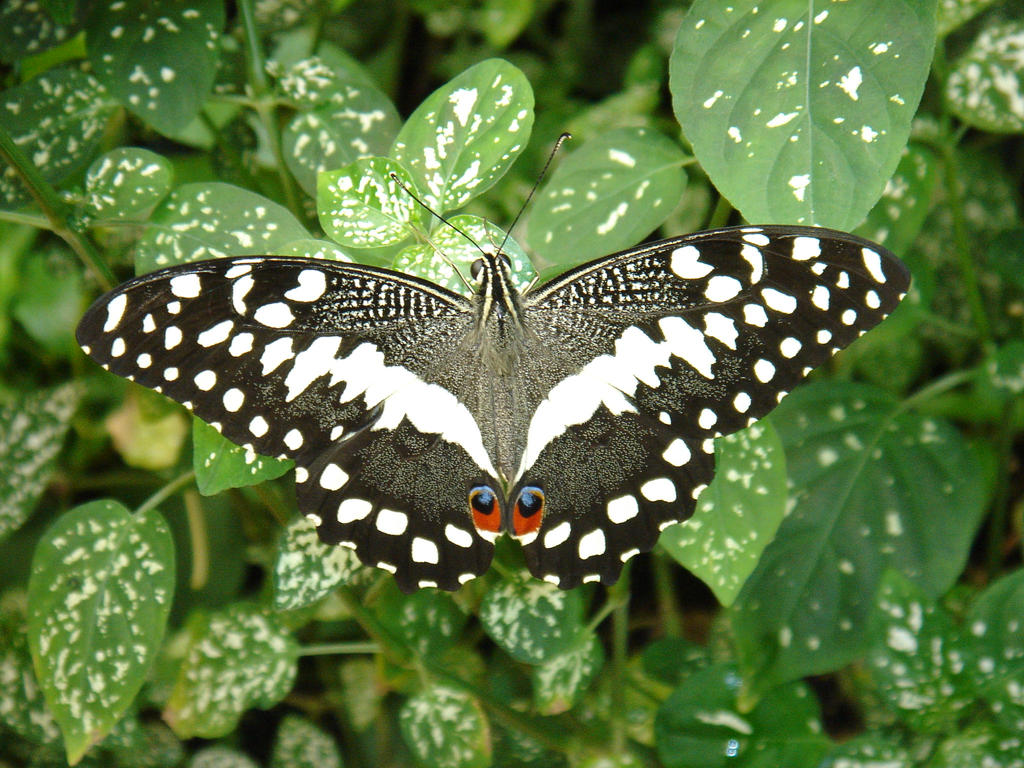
{"points": [[333, 365], [675, 343]]}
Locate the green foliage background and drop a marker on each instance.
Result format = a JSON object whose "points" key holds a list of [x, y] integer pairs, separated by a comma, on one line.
{"points": [[852, 592]]}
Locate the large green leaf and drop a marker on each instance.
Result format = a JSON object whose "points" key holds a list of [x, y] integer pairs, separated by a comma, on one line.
{"points": [[467, 133], [873, 487], [533, 621], [737, 515], [99, 596], [307, 570], [32, 429], [446, 728], [58, 120], [607, 195], [799, 111], [984, 88], [158, 59], [239, 658]]}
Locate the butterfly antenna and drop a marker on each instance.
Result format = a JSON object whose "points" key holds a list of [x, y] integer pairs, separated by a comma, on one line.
{"points": [[543, 172]]}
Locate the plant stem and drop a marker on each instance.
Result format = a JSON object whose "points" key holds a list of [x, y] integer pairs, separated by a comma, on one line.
{"points": [[1000, 509], [668, 604], [620, 642], [168, 490], [947, 382], [331, 649], [54, 209]]}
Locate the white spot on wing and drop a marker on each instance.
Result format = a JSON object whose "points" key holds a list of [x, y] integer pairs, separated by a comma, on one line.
{"points": [[185, 286], [592, 545], [115, 310]]}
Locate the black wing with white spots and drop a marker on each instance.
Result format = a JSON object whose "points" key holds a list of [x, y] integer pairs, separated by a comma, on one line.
{"points": [[341, 367], [675, 343]]}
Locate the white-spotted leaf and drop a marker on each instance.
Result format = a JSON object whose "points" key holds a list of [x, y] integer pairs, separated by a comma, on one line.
{"points": [[872, 750], [99, 595], [313, 249], [22, 706], [897, 218], [58, 119], [798, 112], [300, 744], [221, 464], [219, 756], [32, 429], [28, 27], [978, 744], [560, 682], [953, 13], [467, 133], [206, 220], [446, 728], [454, 249], [306, 569], [919, 665], [533, 621], [1005, 368], [159, 59], [986, 85], [126, 183], [361, 206], [428, 621], [994, 623], [607, 195], [236, 659], [874, 487], [737, 515]]}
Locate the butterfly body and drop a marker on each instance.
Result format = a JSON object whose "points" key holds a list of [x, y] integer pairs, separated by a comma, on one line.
{"points": [[577, 417]]}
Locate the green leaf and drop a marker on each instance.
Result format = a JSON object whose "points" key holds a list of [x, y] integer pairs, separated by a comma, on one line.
{"points": [[428, 620], [22, 706], [126, 183], [1005, 368], [701, 725], [918, 662], [607, 195], [953, 13], [673, 659], [984, 86], [872, 750], [32, 429], [446, 728], [300, 744], [49, 298], [737, 515], [361, 206], [897, 218], [994, 621], [159, 60], [219, 756], [533, 621], [874, 487], [978, 744], [100, 592], [454, 248], [560, 682], [307, 570], [502, 21], [27, 29], [798, 113], [467, 133], [361, 692], [221, 464], [58, 119], [345, 119], [236, 659], [148, 430], [313, 249], [210, 219]]}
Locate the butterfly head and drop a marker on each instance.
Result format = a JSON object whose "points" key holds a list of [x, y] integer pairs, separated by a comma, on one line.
{"points": [[492, 280]]}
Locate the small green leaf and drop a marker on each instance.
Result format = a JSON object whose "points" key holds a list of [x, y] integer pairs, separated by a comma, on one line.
{"points": [[159, 60], [984, 87], [99, 596], [361, 692], [560, 682], [467, 133], [978, 744], [32, 429], [673, 659], [454, 248], [148, 430], [872, 750], [300, 744], [307, 570], [897, 218], [1005, 369], [873, 487], [533, 621], [607, 195], [446, 728], [918, 662], [238, 658], [58, 119], [49, 298], [361, 206], [798, 112], [994, 622], [26, 28], [701, 725], [220, 464], [22, 706], [502, 21], [428, 620], [737, 515], [211, 219], [219, 756], [126, 183]]}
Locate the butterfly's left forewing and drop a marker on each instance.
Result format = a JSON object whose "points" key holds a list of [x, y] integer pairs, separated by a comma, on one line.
{"points": [[675, 343], [338, 366]]}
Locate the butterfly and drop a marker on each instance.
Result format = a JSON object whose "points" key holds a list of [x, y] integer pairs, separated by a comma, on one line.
{"points": [[577, 417]]}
